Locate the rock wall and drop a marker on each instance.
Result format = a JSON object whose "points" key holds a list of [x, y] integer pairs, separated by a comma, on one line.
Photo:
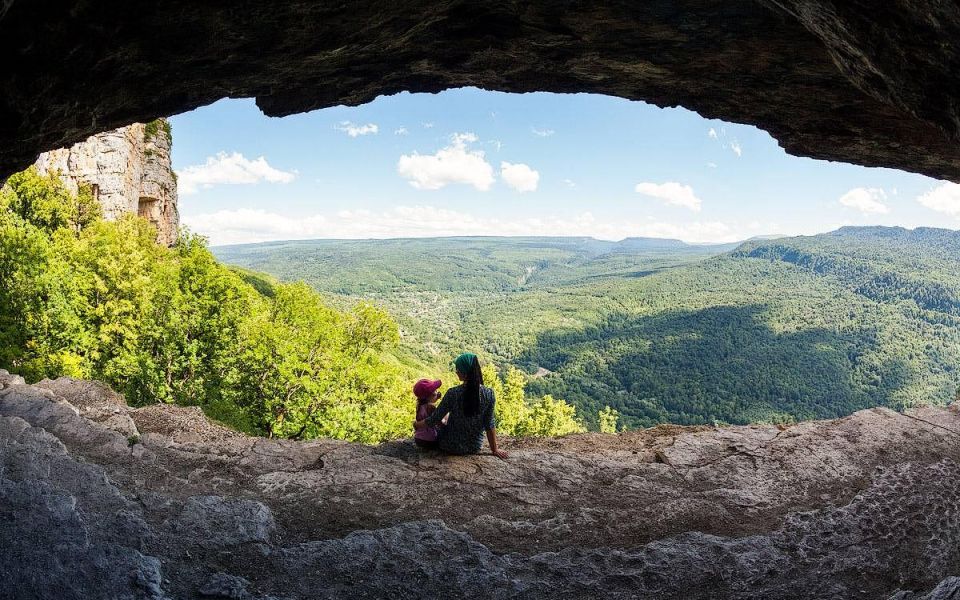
{"points": [[99, 500], [129, 171]]}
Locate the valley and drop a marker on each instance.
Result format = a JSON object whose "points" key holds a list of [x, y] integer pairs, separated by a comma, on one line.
{"points": [[664, 332]]}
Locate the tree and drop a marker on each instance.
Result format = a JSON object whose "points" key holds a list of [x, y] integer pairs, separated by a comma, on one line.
{"points": [[607, 419], [512, 409], [45, 202], [86, 297], [550, 417]]}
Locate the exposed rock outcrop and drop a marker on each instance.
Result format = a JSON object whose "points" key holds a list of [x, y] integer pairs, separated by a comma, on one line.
{"points": [[862, 507], [128, 170], [864, 81]]}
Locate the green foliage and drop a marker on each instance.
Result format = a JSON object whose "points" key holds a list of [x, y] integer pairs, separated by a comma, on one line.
{"points": [[91, 298], [264, 284], [512, 408], [550, 417], [607, 420], [45, 203], [371, 268], [518, 416], [151, 129], [310, 371], [631, 334]]}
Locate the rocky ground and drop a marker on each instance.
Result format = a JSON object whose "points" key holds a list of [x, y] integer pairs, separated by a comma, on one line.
{"points": [[98, 500]]}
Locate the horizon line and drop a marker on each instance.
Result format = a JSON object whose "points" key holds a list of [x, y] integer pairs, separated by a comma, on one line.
{"points": [[576, 237]]}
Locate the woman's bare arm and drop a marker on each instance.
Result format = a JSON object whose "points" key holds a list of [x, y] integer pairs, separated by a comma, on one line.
{"points": [[492, 440]]}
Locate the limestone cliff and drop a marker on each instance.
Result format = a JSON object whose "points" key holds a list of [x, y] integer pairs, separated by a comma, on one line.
{"points": [[99, 500], [129, 171]]}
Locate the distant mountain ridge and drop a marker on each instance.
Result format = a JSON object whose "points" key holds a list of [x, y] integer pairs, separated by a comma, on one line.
{"points": [[861, 232], [885, 264], [582, 241]]}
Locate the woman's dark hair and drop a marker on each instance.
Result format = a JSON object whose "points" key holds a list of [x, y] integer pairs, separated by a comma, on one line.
{"points": [[472, 382]]}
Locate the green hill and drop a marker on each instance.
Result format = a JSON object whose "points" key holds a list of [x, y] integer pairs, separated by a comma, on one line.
{"points": [[772, 330]]}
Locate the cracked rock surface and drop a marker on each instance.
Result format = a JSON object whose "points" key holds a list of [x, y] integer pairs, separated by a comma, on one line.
{"points": [[871, 82], [867, 506]]}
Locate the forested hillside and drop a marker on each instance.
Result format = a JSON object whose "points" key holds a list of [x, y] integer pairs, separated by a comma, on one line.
{"points": [[886, 264], [774, 330]]}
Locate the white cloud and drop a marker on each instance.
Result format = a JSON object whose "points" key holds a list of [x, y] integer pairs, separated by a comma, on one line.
{"points": [[231, 169], [247, 225], [400, 131], [427, 125], [944, 198], [720, 136], [570, 183], [672, 193], [354, 130], [519, 176], [542, 132], [455, 163], [866, 200], [712, 165]]}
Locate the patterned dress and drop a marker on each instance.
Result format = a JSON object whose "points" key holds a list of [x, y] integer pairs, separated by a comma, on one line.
{"points": [[463, 434]]}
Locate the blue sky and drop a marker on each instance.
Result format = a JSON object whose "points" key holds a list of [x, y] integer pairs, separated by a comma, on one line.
{"points": [[471, 162]]}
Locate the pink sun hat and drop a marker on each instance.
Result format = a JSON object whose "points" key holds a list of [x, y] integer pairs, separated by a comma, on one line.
{"points": [[425, 387]]}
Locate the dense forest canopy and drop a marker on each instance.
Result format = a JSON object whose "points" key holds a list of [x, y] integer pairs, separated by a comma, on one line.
{"points": [[772, 330]]}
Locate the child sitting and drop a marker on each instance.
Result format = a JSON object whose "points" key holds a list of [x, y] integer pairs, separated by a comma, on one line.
{"points": [[426, 392]]}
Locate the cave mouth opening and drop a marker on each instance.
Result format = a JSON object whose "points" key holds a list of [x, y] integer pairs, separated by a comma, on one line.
{"points": [[289, 195], [147, 208]]}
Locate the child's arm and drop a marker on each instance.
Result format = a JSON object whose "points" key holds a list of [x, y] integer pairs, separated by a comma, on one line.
{"points": [[435, 415]]}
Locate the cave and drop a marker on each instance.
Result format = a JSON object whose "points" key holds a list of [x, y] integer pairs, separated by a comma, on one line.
{"points": [[94, 491], [147, 208]]}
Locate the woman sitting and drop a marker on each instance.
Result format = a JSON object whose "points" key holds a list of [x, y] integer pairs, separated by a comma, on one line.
{"points": [[470, 406]]}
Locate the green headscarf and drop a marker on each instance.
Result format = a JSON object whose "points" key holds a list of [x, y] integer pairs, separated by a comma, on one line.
{"points": [[464, 363]]}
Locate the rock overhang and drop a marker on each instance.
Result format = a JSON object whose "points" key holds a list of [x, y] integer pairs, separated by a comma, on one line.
{"points": [[867, 82]]}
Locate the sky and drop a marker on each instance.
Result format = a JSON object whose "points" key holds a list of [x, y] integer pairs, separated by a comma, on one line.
{"points": [[472, 162]]}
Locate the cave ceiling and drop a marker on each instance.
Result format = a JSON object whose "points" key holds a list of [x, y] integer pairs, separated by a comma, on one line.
{"points": [[869, 83]]}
